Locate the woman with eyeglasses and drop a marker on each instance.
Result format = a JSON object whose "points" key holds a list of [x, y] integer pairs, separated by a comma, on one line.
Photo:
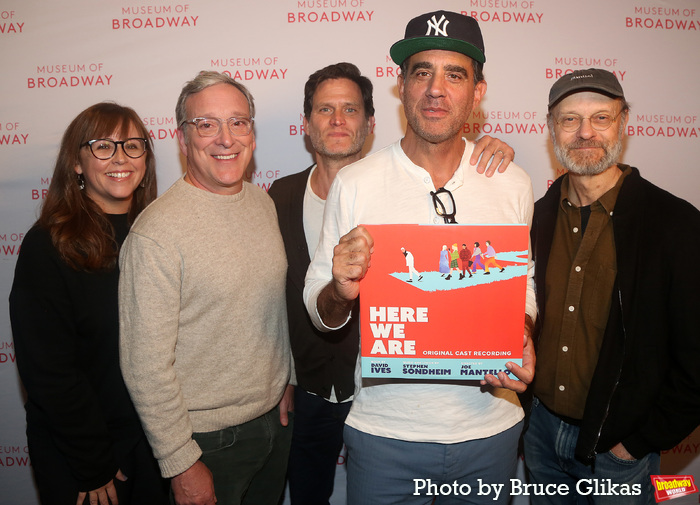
{"points": [[85, 441]]}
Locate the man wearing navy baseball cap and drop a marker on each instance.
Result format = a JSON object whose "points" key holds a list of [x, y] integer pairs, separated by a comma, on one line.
{"points": [[418, 441], [617, 374]]}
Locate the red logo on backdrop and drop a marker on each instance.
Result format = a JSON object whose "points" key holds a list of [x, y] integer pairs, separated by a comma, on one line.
{"points": [[251, 68], [14, 455], [69, 75], [564, 65], [160, 127], [322, 11], [667, 487], [7, 354], [504, 122], [155, 17], [389, 70], [517, 15], [9, 23], [10, 134], [663, 125], [11, 28], [663, 18]]}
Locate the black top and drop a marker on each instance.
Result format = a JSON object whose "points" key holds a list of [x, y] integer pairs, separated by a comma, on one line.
{"points": [[65, 325], [322, 360]]}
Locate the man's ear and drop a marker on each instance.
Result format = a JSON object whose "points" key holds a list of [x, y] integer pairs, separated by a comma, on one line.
{"points": [[479, 92], [181, 141], [400, 81]]}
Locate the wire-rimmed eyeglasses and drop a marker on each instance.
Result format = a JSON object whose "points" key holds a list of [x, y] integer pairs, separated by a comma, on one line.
{"points": [[211, 126], [104, 149], [444, 204], [599, 122]]}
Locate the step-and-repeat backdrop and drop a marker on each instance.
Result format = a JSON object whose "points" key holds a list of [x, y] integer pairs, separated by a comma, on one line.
{"points": [[57, 58]]}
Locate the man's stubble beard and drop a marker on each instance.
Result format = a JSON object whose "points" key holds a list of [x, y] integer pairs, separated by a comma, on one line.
{"points": [[320, 147]]}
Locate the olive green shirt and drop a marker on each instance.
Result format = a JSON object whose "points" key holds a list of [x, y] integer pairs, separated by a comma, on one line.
{"points": [[579, 282]]}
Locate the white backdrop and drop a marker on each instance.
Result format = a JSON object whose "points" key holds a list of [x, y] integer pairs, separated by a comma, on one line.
{"points": [[57, 58]]}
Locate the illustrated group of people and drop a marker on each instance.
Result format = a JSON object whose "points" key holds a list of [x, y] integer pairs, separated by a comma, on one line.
{"points": [[451, 259], [470, 260], [160, 367]]}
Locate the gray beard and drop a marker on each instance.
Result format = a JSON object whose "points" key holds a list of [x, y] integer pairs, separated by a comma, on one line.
{"points": [[611, 157]]}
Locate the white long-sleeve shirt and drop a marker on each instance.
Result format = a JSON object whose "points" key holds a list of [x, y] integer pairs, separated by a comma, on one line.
{"points": [[387, 188]]}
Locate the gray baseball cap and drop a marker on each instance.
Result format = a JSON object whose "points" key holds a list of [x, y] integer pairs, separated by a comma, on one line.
{"points": [[591, 79]]}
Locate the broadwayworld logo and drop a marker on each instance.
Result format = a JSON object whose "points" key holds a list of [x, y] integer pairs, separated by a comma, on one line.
{"points": [[667, 487]]}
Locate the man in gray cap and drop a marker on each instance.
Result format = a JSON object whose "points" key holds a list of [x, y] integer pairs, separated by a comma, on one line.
{"points": [[413, 441], [617, 377]]}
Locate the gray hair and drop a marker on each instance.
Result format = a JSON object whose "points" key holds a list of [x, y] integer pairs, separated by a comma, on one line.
{"points": [[205, 79]]}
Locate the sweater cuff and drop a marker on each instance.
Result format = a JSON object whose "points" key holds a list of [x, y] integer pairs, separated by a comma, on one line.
{"points": [[180, 460]]}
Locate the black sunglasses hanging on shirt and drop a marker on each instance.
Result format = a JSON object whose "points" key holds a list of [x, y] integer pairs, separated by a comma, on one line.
{"points": [[444, 204]]}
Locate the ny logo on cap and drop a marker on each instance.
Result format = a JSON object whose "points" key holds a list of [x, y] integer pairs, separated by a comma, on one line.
{"points": [[434, 24]]}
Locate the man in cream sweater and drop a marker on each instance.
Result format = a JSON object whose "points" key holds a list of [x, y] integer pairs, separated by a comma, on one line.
{"points": [[204, 342]]}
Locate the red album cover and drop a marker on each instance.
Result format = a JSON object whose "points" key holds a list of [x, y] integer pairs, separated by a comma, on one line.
{"points": [[443, 301]]}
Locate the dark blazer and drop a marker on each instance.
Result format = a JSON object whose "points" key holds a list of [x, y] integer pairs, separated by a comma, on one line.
{"points": [[645, 390], [322, 360]]}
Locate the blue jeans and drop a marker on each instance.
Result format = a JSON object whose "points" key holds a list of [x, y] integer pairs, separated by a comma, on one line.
{"points": [[549, 445], [248, 461], [316, 442], [385, 471]]}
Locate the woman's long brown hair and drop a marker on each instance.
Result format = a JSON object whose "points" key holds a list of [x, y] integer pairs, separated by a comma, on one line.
{"points": [[79, 229]]}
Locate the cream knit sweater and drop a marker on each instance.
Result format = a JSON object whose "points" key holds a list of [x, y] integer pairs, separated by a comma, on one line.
{"points": [[203, 327]]}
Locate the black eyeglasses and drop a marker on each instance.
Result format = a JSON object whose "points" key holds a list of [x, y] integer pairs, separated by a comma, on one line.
{"points": [[104, 149], [444, 204]]}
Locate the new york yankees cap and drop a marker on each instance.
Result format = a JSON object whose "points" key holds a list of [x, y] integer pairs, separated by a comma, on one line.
{"points": [[592, 79], [446, 30]]}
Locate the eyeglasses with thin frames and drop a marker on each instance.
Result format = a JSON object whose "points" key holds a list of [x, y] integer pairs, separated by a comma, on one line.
{"points": [[211, 126], [444, 204], [599, 122]]}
